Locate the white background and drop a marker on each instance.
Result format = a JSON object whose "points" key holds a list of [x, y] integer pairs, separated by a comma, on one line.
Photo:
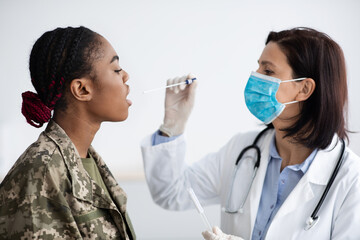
{"points": [[218, 41]]}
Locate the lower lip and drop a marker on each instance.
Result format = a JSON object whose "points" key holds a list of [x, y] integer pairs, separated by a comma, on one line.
{"points": [[129, 102]]}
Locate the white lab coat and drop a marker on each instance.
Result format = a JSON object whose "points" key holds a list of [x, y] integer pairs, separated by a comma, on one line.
{"points": [[168, 177]]}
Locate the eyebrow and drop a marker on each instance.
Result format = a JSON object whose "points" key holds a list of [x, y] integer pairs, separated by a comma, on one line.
{"points": [[266, 63], [116, 57]]}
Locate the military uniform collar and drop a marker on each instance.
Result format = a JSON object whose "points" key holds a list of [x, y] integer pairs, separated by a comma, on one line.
{"points": [[83, 187], [117, 193]]}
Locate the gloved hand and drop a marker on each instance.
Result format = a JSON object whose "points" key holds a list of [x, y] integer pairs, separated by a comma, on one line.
{"points": [[217, 234], [179, 101]]}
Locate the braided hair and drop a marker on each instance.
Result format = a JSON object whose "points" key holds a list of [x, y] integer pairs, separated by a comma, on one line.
{"points": [[56, 58]]}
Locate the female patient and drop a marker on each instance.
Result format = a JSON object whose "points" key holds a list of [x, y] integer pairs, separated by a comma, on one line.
{"points": [[60, 187]]}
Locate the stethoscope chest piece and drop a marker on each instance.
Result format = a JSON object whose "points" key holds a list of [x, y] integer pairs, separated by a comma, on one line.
{"points": [[311, 222]]}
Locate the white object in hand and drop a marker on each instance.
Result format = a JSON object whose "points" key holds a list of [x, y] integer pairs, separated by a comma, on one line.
{"points": [[199, 208], [179, 101], [187, 81], [217, 234]]}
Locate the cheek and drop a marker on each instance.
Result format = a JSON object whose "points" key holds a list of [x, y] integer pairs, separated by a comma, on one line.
{"points": [[119, 94], [115, 88], [111, 96], [280, 93], [286, 93], [120, 91]]}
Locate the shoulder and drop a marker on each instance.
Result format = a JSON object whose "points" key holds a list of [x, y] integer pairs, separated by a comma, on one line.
{"points": [[347, 205], [347, 180], [28, 175], [351, 166]]}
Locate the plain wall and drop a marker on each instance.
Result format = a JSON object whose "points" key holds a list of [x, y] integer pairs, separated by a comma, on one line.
{"points": [[219, 41]]}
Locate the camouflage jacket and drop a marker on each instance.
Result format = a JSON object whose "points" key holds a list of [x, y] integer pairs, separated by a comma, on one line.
{"points": [[49, 195]]}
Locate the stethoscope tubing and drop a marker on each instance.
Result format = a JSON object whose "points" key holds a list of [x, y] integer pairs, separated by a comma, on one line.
{"points": [[254, 145], [256, 166], [331, 180], [314, 217]]}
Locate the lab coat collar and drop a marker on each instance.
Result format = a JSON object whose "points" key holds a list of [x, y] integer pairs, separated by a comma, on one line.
{"points": [[323, 165], [319, 173]]}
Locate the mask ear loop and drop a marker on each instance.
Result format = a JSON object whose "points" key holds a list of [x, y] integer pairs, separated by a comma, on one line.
{"points": [[290, 102], [292, 80]]}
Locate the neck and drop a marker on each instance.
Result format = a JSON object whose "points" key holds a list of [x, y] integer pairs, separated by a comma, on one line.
{"points": [[290, 152], [77, 126]]}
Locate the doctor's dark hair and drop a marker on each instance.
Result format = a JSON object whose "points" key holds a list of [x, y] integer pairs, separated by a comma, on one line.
{"points": [[315, 55], [56, 58]]}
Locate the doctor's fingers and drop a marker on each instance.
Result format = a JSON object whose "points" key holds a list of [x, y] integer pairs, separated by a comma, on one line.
{"points": [[177, 80], [192, 87], [180, 87], [210, 236], [181, 80], [169, 82], [172, 81]]}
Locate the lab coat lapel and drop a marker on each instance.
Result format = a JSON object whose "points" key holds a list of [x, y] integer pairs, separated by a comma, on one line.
{"points": [[318, 174], [258, 183], [300, 195]]}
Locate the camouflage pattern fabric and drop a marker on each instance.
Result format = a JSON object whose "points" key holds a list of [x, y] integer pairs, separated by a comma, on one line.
{"points": [[49, 195]]}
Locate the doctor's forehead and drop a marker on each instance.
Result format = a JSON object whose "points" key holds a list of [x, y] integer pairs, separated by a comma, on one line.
{"points": [[273, 56]]}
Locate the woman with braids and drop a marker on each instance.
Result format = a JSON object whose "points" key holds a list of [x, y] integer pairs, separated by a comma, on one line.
{"points": [[60, 187]]}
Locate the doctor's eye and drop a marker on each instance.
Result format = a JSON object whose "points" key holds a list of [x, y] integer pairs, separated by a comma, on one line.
{"points": [[268, 72]]}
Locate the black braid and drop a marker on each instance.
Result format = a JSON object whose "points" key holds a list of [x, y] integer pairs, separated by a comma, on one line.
{"points": [[73, 53], [58, 57], [39, 53]]}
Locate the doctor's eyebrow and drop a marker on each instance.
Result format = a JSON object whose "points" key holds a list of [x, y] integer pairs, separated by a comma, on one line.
{"points": [[116, 57], [266, 63]]}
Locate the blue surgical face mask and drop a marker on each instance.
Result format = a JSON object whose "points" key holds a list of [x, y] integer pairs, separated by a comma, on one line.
{"points": [[260, 96]]}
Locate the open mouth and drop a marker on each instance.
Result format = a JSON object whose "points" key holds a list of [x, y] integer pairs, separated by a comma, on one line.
{"points": [[128, 100]]}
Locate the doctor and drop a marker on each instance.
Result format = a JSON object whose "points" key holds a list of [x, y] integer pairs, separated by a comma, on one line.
{"points": [[300, 92]]}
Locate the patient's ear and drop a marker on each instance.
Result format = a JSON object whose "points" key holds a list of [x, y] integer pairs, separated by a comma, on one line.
{"points": [[307, 87], [82, 89]]}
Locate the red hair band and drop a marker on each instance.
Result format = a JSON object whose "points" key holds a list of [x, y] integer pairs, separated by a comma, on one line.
{"points": [[34, 110]]}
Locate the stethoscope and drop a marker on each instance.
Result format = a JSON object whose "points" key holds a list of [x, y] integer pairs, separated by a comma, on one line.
{"points": [[314, 218]]}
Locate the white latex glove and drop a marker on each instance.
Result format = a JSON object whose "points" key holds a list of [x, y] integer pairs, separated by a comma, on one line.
{"points": [[217, 234], [179, 101]]}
